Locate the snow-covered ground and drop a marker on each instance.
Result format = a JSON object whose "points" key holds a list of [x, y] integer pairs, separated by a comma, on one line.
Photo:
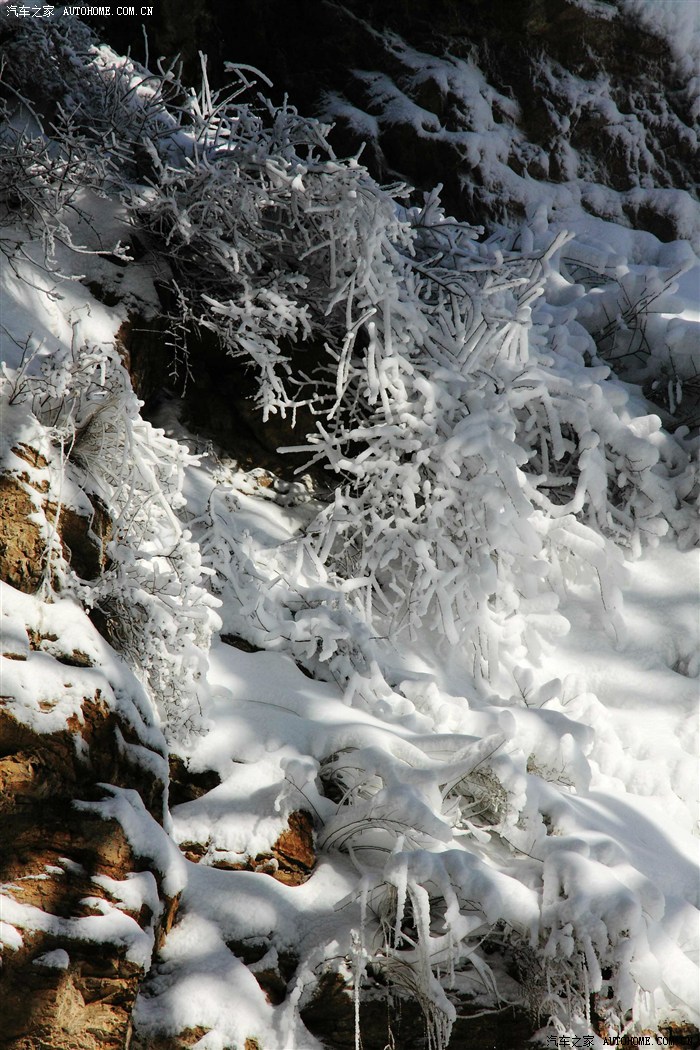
{"points": [[605, 753], [527, 837]]}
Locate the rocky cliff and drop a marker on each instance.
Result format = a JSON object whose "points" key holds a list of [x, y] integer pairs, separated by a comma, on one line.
{"points": [[583, 106]]}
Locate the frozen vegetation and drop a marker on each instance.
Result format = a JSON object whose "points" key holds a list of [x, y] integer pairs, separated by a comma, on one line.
{"points": [[487, 571]]}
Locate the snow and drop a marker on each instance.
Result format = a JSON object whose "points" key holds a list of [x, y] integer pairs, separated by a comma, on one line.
{"points": [[601, 746], [677, 22], [610, 740], [483, 124], [112, 927], [479, 666], [58, 959]]}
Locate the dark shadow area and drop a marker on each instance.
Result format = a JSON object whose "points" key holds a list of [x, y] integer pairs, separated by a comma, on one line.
{"points": [[311, 50]]}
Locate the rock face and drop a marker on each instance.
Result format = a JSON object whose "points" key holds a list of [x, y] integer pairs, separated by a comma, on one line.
{"points": [[217, 403], [388, 1019], [21, 545], [483, 96], [29, 517], [290, 860], [59, 989], [84, 901]]}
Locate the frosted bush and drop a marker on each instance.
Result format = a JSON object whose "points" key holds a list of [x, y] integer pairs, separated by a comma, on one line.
{"points": [[151, 594], [473, 443]]}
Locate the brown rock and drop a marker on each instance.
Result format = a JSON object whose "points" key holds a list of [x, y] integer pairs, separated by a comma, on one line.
{"points": [[182, 1041], [50, 854], [49, 1009], [273, 985], [146, 354], [22, 541], [167, 920], [51, 866], [83, 539], [391, 1018], [22, 548], [681, 1035], [30, 455], [294, 850], [185, 785], [291, 859], [37, 766]]}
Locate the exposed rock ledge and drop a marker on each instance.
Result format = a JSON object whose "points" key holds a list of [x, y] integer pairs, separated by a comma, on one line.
{"points": [[89, 878]]}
